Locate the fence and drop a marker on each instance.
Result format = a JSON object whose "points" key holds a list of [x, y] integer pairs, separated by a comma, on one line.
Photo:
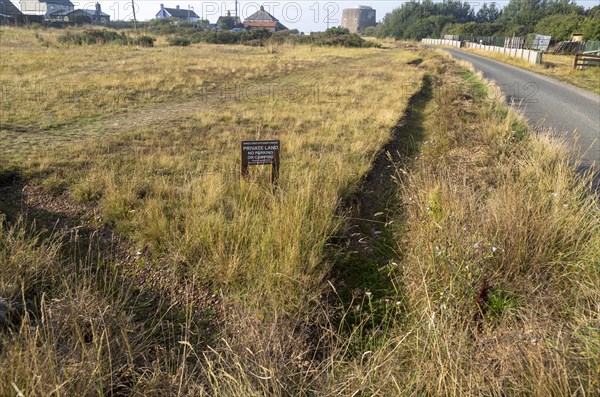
{"points": [[530, 56], [451, 43], [592, 47], [582, 60]]}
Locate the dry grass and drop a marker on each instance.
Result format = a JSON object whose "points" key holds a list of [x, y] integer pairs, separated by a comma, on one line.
{"points": [[558, 66], [47, 86], [222, 287], [171, 185]]}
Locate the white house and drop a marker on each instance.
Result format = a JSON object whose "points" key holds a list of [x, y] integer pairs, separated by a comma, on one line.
{"points": [[184, 14], [50, 9]]}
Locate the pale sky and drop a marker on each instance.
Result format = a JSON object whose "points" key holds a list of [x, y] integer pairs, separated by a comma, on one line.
{"points": [[304, 15]]}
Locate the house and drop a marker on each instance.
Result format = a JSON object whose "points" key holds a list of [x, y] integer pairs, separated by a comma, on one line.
{"points": [[263, 20], [95, 16], [228, 22], [9, 10], [187, 15], [10, 14], [50, 9]]}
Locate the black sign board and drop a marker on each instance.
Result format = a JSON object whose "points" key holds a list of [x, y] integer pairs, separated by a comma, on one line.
{"points": [[261, 153]]}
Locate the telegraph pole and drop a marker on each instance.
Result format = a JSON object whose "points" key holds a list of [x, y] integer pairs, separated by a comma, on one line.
{"points": [[134, 19]]}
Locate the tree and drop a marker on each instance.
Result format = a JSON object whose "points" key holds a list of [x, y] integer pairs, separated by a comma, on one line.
{"points": [[488, 13], [370, 31], [560, 27], [415, 20], [591, 28]]}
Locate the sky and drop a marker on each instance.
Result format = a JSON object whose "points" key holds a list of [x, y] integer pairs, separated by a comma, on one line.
{"points": [[304, 15]]}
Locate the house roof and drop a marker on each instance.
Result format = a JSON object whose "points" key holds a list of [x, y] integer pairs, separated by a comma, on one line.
{"points": [[8, 8], [58, 14], [91, 13], [58, 2], [262, 19], [181, 13], [235, 20], [261, 16]]}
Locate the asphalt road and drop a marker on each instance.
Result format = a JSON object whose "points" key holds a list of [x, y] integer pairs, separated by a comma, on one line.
{"points": [[548, 104]]}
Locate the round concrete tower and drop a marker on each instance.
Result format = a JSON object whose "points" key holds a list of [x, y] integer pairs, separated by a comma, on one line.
{"points": [[358, 18]]}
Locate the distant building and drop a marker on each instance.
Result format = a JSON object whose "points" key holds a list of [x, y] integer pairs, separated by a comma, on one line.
{"points": [[228, 22], [263, 20], [9, 10], [187, 15], [11, 15], [50, 9], [358, 18], [95, 16]]}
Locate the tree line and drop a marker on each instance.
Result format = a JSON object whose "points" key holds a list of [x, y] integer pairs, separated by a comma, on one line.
{"points": [[557, 18]]}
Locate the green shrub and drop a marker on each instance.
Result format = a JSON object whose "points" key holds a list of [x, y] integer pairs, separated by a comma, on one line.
{"points": [[179, 41], [93, 36], [337, 37], [144, 41]]}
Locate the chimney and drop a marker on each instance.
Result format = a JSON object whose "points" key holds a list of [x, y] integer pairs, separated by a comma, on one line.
{"points": [[98, 8], [162, 7], [177, 7]]}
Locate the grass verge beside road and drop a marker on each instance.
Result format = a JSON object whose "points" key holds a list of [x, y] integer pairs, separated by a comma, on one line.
{"points": [[559, 67]]}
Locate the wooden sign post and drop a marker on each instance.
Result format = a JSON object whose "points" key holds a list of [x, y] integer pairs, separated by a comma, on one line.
{"points": [[261, 153]]}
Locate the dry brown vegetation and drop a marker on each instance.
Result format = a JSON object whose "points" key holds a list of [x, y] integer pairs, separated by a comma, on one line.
{"points": [[137, 263]]}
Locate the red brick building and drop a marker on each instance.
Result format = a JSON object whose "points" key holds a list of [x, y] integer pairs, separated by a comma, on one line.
{"points": [[263, 20]]}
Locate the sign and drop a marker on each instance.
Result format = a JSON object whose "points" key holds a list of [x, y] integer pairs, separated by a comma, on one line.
{"points": [[261, 153], [540, 42]]}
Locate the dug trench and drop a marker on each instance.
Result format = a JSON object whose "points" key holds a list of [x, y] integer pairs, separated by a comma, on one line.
{"points": [[361, 255]]}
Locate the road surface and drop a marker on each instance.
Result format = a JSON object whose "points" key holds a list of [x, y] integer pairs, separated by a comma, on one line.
{"points": [[548, 104]]}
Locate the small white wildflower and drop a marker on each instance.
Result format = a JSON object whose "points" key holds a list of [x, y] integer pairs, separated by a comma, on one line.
{"points": [[566, 205], [476, 246], [494, 249], [438, 250], [554, 194], [368, 294]]}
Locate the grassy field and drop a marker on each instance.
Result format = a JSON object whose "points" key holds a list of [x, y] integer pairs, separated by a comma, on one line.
{"points": [[559, 67], [419, 242]]}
